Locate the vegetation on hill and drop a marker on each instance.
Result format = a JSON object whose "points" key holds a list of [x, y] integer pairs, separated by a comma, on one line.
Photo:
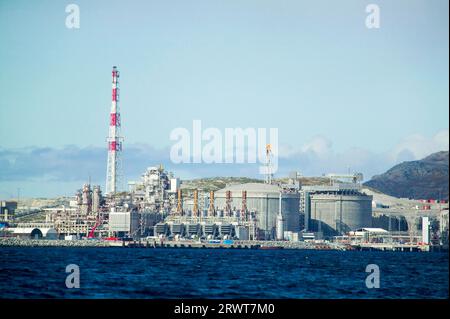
{"points": [[423, 179]]}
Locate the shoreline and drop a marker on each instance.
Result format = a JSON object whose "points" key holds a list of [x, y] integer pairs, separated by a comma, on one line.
{"points": [[260, 245]]}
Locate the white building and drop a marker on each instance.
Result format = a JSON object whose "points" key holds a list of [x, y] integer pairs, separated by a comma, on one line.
{"points": [[425, 230]]}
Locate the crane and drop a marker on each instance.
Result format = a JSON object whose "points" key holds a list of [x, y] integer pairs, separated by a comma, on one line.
{"points": [[92, 231]]}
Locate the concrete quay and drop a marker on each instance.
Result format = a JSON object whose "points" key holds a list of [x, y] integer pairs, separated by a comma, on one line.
{"points": [[391, 247]]}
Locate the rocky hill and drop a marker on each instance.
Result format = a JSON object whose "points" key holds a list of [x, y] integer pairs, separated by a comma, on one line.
{"points": [[423, 179], [216, 183]]}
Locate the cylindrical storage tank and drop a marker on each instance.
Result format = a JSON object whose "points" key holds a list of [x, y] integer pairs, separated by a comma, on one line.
{"points": [[337, 214], [280, 227], [290, 207], [264, 200], [96, 198]]}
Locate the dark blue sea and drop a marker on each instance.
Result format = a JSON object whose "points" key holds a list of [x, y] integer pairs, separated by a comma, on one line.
{"points": [[220, 273]]}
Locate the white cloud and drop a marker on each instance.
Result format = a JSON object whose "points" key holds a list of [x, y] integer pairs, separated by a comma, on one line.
{"points": [[319, 146], [417, 146], [316, 157]]}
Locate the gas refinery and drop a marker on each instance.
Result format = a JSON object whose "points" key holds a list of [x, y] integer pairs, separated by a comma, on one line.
{"points": [[157, 207]]}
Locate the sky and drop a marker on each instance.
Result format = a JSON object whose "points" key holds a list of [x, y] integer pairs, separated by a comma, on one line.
{"points": [[342, 96]]}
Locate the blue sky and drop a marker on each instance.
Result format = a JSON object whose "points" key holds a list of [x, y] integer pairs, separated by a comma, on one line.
{"points": [[341, 95]]}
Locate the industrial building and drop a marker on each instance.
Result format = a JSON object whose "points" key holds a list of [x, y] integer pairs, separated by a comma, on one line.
{"points": [[192, 218], [123, 223], [86, 212], [156, 191], [336, 209], [155, 206], [369, 234], [33, 231], [264, 201], [443, 226], [244, 211], [211, 228], [7, 210]]}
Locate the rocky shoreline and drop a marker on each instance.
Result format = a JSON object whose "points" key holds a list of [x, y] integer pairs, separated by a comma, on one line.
{"points": [[17, 242]]}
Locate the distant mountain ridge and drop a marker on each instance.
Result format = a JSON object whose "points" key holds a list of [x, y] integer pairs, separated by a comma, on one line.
{"points": [[423, 179]]}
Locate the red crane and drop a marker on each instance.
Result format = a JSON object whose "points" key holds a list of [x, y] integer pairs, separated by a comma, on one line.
{"points": [[91, 233]]}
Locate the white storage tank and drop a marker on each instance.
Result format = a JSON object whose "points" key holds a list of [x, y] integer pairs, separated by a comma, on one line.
{"points": [[264, 200], [280, 227], [339, 213]]}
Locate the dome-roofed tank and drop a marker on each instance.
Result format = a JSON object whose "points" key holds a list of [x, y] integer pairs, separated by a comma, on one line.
{"points": [[264, 200]]}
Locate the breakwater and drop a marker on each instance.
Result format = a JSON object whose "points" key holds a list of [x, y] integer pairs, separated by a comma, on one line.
{"points": [[242, 244], [16, 242]]}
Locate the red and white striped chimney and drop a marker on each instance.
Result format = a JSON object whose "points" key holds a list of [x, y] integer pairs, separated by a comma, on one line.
{"points": [[114, 138]]}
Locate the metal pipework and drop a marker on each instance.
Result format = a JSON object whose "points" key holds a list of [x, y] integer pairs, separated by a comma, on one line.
{"points": [[179, 202], [195, 210], [211, 211], [244, 206], [228, 204]]}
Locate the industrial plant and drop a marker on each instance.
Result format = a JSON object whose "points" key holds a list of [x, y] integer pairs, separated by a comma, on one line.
{"points": [[337, 208], [157, 207]]}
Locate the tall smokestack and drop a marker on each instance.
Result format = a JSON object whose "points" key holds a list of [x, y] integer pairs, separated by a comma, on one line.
{"points": [[114, 138]]}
